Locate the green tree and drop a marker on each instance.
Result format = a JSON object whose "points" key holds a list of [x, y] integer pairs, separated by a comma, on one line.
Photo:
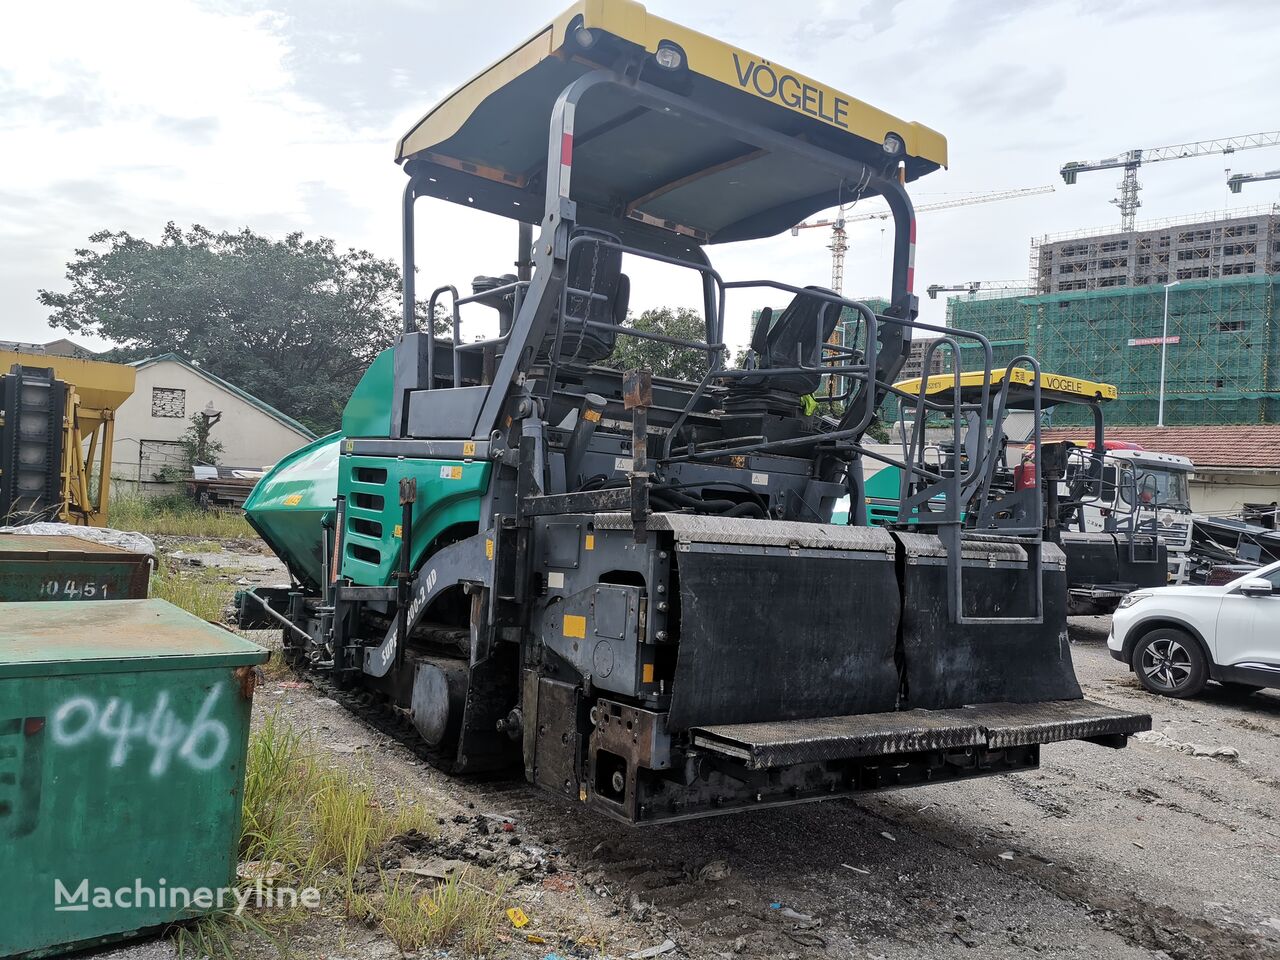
{"points": [[293, 321], [664, 359], [198, 445]]}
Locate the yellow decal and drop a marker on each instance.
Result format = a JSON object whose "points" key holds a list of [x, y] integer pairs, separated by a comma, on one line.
{"points": [[647, 673], [350, 445], [575, 626], [397, 531], [450, 473], [517, 917], [591, 542], [468, 449], [293, 499], [592, 415], [488, 549]]}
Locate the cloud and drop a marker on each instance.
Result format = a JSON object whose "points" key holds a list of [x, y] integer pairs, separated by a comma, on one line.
{"points": [[196, 130], [282, 114], [1013, 90]]}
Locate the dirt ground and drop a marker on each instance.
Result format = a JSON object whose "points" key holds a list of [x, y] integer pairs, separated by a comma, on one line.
{"points": [[1169, 848]]}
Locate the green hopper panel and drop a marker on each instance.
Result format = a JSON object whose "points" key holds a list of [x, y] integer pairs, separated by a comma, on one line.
{"points": [[290, 505], [368, 411], [69, 568], [123, 734]]}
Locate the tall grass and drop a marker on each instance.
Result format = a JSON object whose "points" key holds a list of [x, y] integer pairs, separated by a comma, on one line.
{"points": [[310, 818], [322, 826], [206, 596], [174, 515], [458, 912]]}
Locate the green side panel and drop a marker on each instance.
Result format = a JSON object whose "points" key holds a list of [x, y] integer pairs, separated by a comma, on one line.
{"points": [[368, 412], [882, 489], [449, 493], [123, 732], [290, 503]]}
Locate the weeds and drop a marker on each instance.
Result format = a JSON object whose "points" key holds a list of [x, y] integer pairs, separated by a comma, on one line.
{"points": [[206, 597], [222, 937], [348, 824], [456, 912], [312, 819], [323, 826], [175, 515], [277, 668], [279, 773]]}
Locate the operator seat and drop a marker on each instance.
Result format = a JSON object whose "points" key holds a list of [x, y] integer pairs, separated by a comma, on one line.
{"points": [[794, 339], [599, 269]]}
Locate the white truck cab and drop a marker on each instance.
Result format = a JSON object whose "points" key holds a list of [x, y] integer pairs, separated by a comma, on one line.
{"points": [[1155, 489]]}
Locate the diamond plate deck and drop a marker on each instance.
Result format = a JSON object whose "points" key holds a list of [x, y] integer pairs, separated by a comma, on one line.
{"points": [[762, 746], [1018, 724], [691, 528]]}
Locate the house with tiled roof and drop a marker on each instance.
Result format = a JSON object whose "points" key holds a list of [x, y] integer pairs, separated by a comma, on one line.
{"points": [[1235, 464], [171, 390]]}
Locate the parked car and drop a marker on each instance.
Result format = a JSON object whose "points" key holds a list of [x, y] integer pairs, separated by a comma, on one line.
{"points": [[1176, 639]]}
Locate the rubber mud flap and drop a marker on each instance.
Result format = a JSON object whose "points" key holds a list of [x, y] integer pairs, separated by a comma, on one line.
{"points": [[949, 664], [765, 635], [1092, 558]]}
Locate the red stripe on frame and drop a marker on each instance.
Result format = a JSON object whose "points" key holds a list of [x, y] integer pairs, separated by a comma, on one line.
{"points": [[911, 279], [566, 149]]}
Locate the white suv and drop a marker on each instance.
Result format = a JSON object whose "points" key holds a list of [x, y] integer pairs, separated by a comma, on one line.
{"points": [[1176, 639]]}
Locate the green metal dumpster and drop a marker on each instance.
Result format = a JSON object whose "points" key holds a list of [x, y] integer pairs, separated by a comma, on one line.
{"points": [[123, 732], [69, 568]]}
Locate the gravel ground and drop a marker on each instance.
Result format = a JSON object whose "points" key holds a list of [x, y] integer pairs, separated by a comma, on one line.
{"points": [[1147, 852]]}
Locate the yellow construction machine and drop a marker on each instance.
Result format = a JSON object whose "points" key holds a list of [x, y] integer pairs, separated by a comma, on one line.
{"points": [[57, 425]]}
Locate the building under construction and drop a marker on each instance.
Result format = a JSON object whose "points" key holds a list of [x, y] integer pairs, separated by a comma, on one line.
{"points": [[1203, 247], [1223, 347]]}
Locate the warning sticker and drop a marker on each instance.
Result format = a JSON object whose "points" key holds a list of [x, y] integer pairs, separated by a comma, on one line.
{"points": [[450, 473], [759, 479]]}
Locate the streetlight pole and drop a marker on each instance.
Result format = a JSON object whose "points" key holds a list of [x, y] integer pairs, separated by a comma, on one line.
{"points": [[1164, 350]]}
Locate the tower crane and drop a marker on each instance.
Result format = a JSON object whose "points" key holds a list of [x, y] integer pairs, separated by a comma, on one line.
{"points": [[1240, 179], [839, 244], [1130, 160], [973, 286]]}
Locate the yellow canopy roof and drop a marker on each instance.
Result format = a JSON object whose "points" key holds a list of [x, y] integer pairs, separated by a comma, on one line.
{"points": [[652, 165], [1055, 388]]}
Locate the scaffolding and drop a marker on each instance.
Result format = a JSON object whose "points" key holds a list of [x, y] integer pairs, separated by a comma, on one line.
{"points": [[1207, 246], [1223, 347]]}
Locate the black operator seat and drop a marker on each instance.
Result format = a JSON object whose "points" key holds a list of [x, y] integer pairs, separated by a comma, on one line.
{"points": [[598, 268], [795, 338]]}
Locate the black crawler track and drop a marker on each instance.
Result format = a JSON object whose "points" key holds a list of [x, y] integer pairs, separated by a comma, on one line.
{"points": [[377, 711]]}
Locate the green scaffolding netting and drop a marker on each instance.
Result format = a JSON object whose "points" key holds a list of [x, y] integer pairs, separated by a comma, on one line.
{"points": [[1222, 367]]}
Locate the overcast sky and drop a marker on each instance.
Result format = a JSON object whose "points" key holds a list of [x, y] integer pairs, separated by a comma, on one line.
{"points": [[283, 116]]}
